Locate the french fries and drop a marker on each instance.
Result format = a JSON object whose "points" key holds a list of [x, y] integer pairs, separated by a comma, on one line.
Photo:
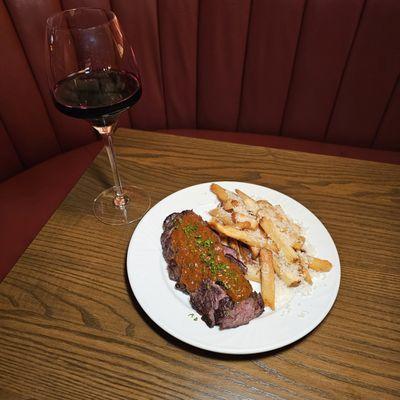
{"points": [[255, 251], [236, 233], [291, 277], [267, 278], [265, 240], [299, 243], [251, 204], [221, 215], [220, 192], [306, 275], [246, 221], [253, 272], [319, 265], [270, 229], [304, 264]]}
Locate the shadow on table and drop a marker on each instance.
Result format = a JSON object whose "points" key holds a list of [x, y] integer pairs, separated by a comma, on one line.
{"points": [[100, 175], [205, 353]]}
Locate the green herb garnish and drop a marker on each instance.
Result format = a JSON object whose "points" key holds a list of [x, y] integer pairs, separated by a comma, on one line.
{"points": [[189, 229], [191, 315]]}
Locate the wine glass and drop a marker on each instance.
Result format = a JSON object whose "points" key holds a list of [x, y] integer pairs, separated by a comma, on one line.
{"points": [[93, 75]]}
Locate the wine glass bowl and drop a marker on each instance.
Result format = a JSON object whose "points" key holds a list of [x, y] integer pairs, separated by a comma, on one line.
{"points": [[93, 75]]}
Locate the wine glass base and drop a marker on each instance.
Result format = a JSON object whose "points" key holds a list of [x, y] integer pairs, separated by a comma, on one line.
{"points": [[137, 204]]}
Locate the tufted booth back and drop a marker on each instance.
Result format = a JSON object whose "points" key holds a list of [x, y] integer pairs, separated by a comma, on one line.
{"points": [[325, 70]]}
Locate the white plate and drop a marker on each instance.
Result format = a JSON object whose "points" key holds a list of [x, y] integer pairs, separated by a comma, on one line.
{"points": [[298, 312]]}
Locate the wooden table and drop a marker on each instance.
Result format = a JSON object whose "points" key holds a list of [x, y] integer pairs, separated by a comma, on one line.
{"points": [[71, 329]]}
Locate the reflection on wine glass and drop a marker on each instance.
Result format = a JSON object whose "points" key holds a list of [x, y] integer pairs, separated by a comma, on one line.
{"points": [[93, 75]]}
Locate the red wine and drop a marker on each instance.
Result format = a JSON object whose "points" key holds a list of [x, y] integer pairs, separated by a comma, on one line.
{"points": [[97, 95]]}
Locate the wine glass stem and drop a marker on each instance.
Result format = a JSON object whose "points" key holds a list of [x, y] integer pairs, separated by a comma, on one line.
{"points": [[119, 197]]}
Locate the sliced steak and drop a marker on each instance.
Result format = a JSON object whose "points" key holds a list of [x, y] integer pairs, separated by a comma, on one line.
{"points": [[216, 308], [208, 272], [170, 223], [206, 300], [232, 315]]}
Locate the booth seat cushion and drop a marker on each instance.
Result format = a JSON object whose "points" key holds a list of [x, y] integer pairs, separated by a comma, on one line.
{"points": [[282, 142], [28, 200]]}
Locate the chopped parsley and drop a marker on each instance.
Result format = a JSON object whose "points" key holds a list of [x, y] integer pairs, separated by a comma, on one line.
{"points": [[214, 267], [189, 229], [206, 250], [193, 317]]}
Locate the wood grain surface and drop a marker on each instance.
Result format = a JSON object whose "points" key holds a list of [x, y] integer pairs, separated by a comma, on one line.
{"points": [[71, 329]]}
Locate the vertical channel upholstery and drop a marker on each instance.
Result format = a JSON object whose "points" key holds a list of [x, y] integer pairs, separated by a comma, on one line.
{"points": [[322, 50], [271, 48], [29, 18], [369, 76], [22, 110], [389, 130], [10, 163], [139, 19], [325, 70], [178, 43], [222, 40], [308, 69]]}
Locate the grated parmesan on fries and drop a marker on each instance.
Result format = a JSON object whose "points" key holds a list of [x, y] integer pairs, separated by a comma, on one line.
{"points": [[266, 240]]}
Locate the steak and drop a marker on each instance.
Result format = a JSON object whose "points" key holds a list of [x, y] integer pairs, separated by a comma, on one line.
{"points": [[208, 271], [216, 307]]}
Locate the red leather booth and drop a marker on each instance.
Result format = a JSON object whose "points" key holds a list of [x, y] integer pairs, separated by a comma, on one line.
{"points": [[310, 75]]}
